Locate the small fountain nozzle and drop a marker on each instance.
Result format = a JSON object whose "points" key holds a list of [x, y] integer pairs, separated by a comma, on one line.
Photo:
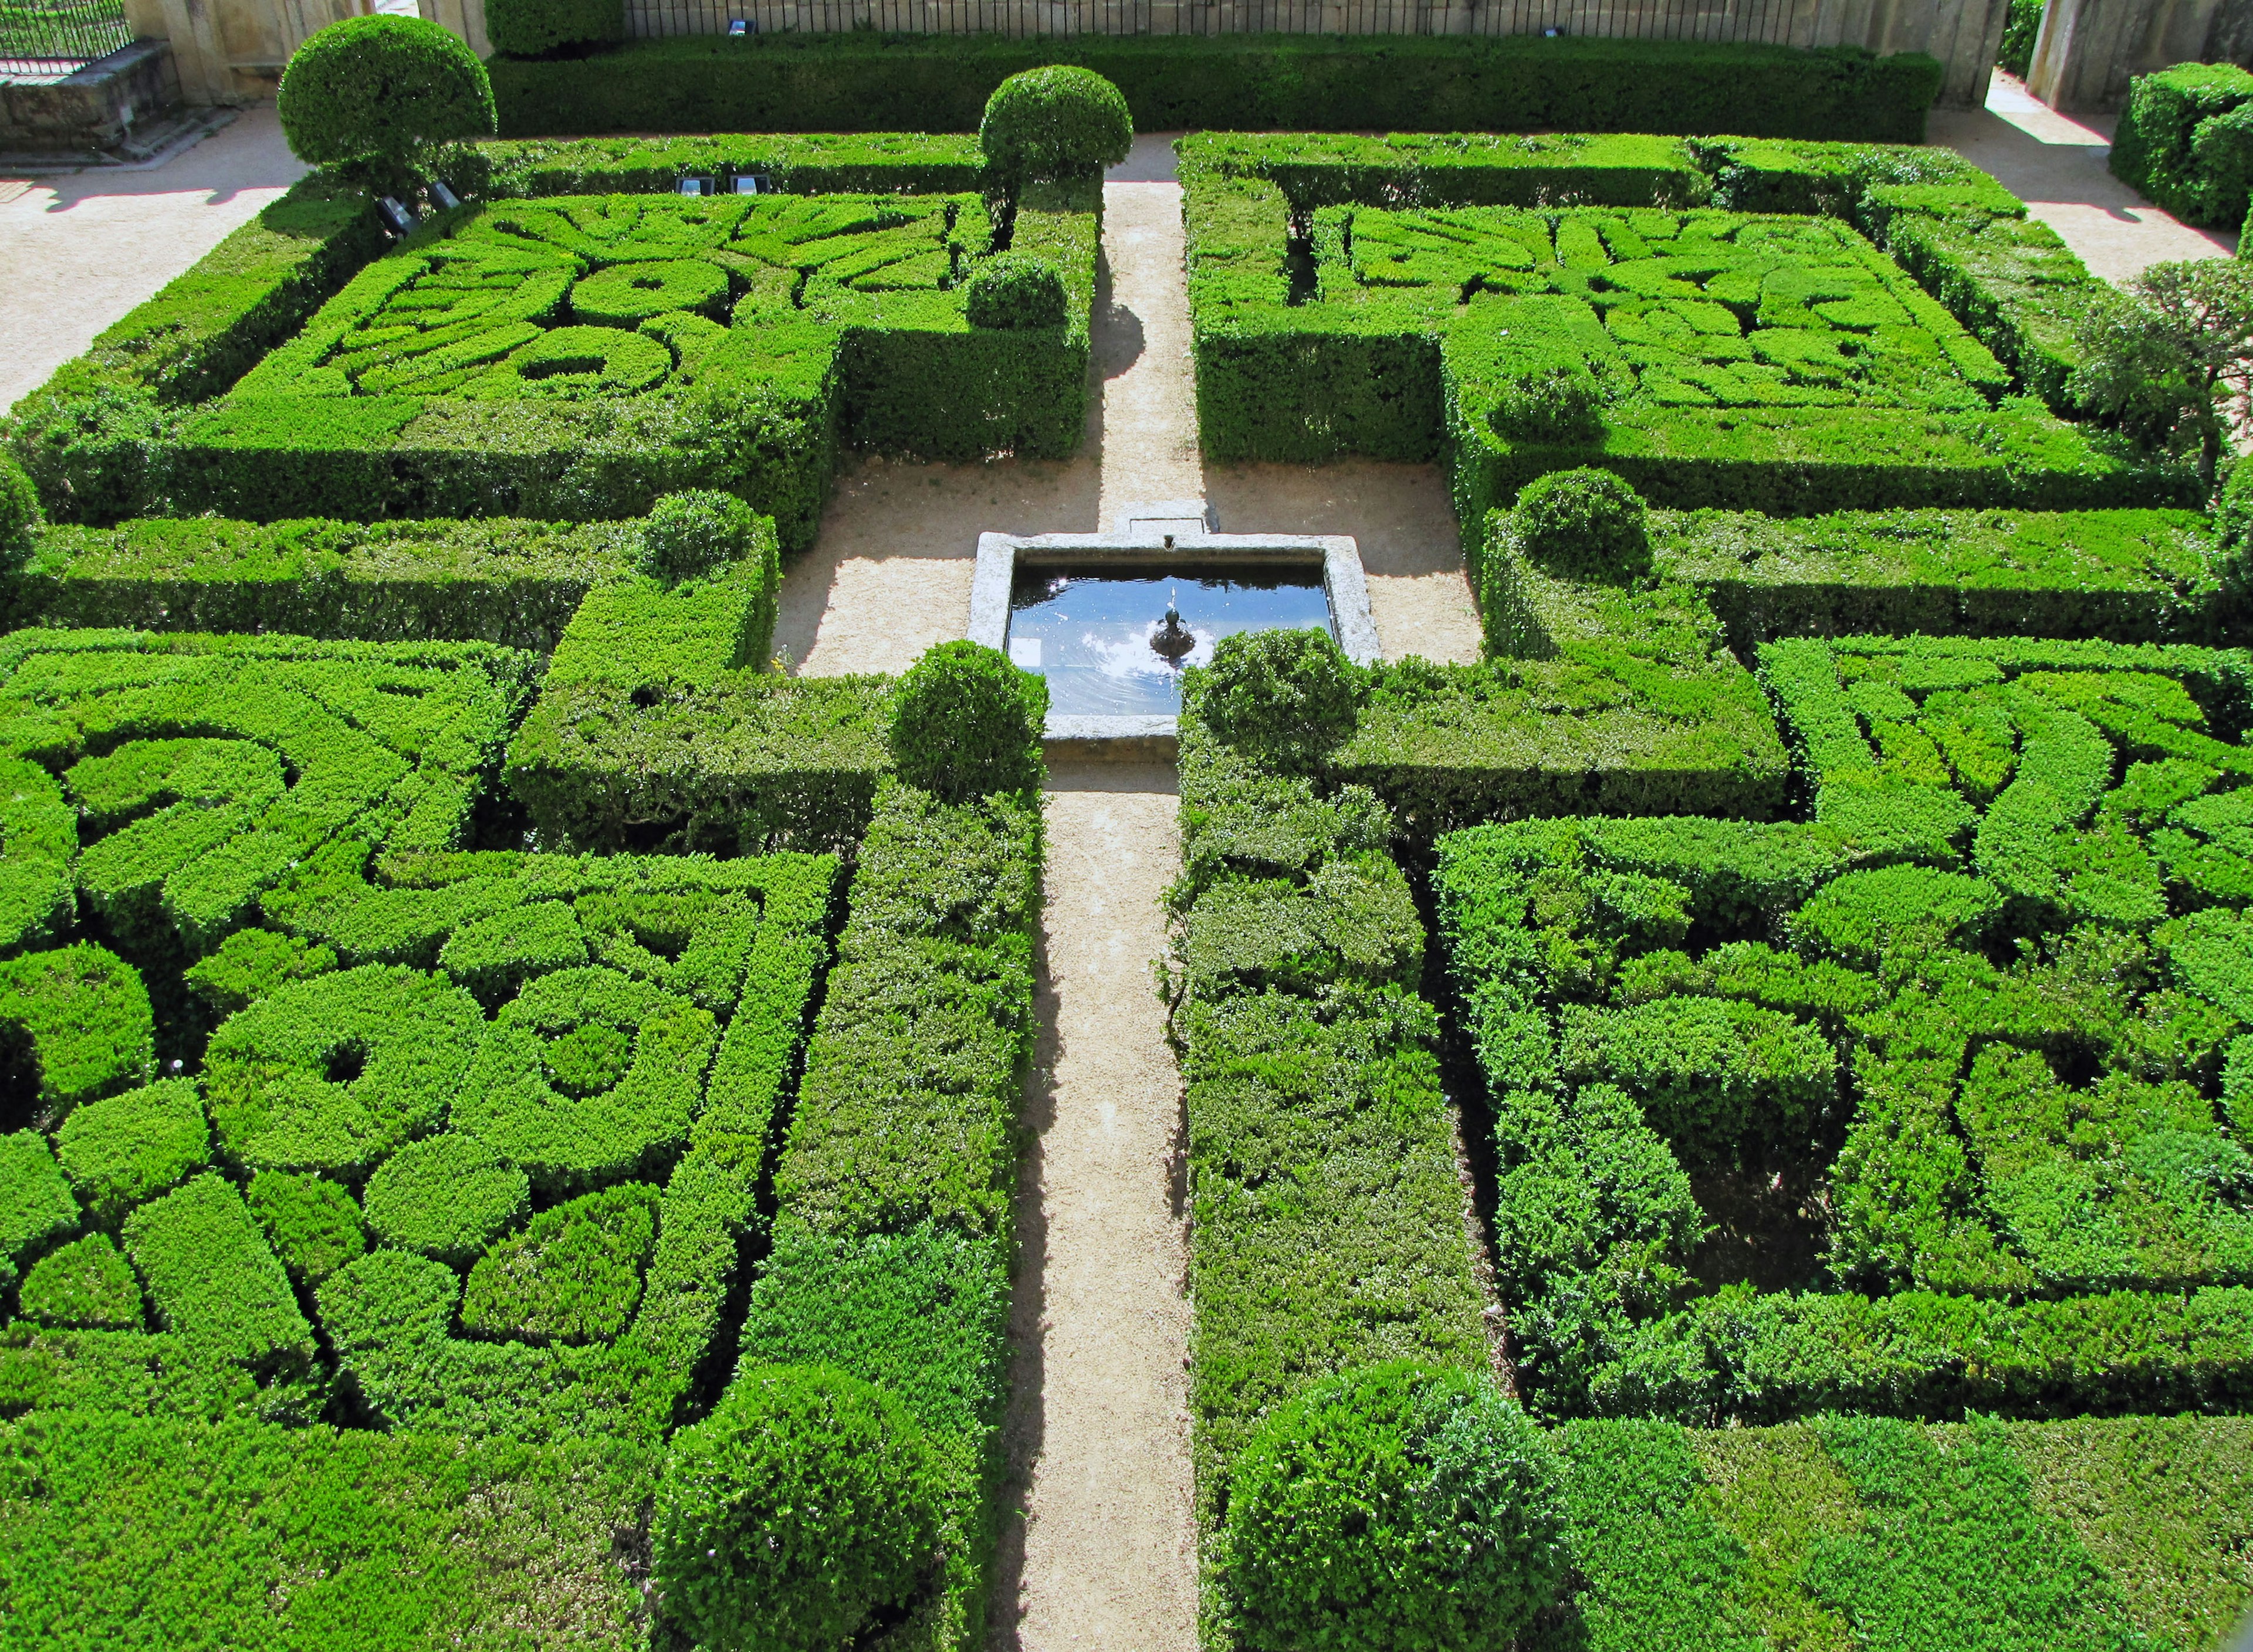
{"points": [[1173, 639]]}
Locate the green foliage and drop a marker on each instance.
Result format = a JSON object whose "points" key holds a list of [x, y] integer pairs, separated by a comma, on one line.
{"points": [[574, 1274], [250, 964], [793, 1515], [85, 1285], [2022, 30], [35, 1202], [967, 724], [125, 1149], [691, 535], [377, 89], [313, 1224], [85, 1013], [2166, 144], [499, 579], [332, 1073], [20, 515], [1054, 122], [1264, 82], [213, 1283], [444, 1197], [1394, 1505], [1584, 525], [493, 956], [1015, 289], [1284, 697], [533, 28], [2173, 356]]}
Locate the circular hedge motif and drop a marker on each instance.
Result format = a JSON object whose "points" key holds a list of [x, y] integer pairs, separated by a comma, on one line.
{"points": [[627, 293], [572, 364]]}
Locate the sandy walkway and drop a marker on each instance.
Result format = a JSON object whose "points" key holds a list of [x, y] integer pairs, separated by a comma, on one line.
{"points": [[1104, 1555], [2056, 164], [890, 573], [79, 251]]}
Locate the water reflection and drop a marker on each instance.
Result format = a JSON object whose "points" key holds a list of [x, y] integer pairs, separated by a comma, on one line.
{"points": [[1089, 630]]}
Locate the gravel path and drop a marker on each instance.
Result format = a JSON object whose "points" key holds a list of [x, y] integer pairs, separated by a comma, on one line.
{"points": [[79, 250], [1099, 1551]]}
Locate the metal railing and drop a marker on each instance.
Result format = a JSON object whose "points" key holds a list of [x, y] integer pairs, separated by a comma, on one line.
{"points": [[1748, 22], [55, 37]]}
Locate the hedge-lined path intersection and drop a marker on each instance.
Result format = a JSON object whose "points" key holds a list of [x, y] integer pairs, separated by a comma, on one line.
{"points": [[1099, 1547], [79, 251], [2056, 164]]}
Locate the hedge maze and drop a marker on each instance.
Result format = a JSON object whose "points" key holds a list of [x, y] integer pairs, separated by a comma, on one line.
{"points": [[488, 1057]]}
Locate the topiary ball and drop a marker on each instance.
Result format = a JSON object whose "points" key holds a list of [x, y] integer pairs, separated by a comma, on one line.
{"points": [[804, 1505], [1015, 290], [1584, 524], [1393, 1507], [1054, 122], [379, 87], [966, 723], [687, 535], [19, 513], [533, 28], [1287, 696]]}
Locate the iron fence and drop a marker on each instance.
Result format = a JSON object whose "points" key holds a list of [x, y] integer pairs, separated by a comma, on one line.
{"points": [[54, 36], [1747, 22]]}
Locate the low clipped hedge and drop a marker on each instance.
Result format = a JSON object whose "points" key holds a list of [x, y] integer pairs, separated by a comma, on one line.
{"points": [[782, 83], [2182, 142]]}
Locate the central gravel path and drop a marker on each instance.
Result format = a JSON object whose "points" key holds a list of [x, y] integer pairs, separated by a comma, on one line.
{"points": [[1100, 1548]]}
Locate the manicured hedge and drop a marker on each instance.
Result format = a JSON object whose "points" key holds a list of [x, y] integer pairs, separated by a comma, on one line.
{"points": [[2182, 143], [2123, 576], [1228, 83], [499, 581], [1326, 1225], [93, 436], [1647, 995], [849, 163], [206, 767]]}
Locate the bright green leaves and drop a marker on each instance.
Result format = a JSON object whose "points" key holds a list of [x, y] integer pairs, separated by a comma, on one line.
{"points": [[445, 1196], [573, 1275]]}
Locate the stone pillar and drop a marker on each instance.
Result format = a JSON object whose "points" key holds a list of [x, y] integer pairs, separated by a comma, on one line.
{"points": [[465, 17], [2090, 49]]}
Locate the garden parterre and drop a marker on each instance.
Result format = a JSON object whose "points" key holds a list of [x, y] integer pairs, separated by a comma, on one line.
{"points": [[357, 1145]]}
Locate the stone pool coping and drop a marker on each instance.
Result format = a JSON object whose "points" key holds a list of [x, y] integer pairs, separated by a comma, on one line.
{"points": [[1162, 534]]}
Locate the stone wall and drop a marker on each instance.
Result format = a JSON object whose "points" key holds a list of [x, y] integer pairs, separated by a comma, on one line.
{"points": [[2090, 49]]}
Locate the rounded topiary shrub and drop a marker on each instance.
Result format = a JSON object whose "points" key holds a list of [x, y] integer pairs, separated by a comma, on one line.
{"points": [[1394, 1507], [1054, 122], [368, 92], [689, 534], [533, 28], [1015, 290], [1586, 525], [1550, 404], [966, 723], [803, 1505], [1287, 696], [19, 513]]}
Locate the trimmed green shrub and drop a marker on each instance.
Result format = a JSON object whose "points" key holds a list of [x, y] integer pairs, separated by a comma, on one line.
{"points": [[332, 1073], [797, 1512], [965, 724], [35, 1201], [125, 1149], [574, 1274], [313, 1224], [2178, 141], [493, 956], [849, 82], [690, 535], [533, 28], [1395, 1506], [250, 964], [1053, 123], [85, 1013], [444, 1197], [1015, 290], [86, 1284], [20, 515], [1584, 525], [1286, 697], [376, 89], [213, 1283], [587, 1075]]}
